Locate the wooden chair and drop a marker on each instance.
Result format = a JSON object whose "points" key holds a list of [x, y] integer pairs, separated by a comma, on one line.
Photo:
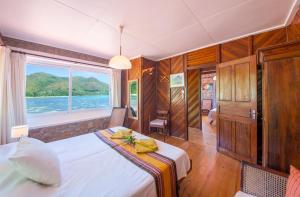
{"points": [[161, 123], [259, 181], [118, 116]]}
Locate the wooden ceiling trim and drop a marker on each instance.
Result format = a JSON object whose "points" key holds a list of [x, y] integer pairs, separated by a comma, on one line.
{"points": [[202, 56], [40, 48]]}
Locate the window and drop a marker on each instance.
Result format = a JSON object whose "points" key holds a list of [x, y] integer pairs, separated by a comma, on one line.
{"points": [[89, 90], [47, 89], [59, 88]]}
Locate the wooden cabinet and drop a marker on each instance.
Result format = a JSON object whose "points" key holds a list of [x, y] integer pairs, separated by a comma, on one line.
{"points": [[237, 97], [281, 106]]}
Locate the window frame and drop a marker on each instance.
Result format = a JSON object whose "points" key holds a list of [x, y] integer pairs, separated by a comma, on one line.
{"points": [[70, 67]]}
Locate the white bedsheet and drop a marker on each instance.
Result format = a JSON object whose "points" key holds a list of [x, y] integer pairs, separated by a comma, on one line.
{"points": [[91, 168], [212, 115]]}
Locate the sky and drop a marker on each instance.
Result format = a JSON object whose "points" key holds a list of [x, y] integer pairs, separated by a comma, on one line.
{"points": [[63, 72]]}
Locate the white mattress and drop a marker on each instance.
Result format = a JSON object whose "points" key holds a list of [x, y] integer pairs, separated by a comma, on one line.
{"points": [[91, 168], [212, 115]]}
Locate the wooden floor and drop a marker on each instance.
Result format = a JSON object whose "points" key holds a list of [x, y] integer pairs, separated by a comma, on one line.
{"points": [[213, 174]]}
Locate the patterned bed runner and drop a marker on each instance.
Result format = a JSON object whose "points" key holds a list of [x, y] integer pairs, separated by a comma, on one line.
{"points": [[162, 169]]}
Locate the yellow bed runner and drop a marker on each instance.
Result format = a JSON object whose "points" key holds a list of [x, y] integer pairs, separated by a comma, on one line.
{"points": [[162, 169]]}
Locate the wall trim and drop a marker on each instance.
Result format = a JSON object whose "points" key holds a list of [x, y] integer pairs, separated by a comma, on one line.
{"points": [[40, 49], [292, 12], [225, 41]]}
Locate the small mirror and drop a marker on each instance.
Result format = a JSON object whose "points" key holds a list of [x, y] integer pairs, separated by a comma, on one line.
{"points": [[133, 98]]}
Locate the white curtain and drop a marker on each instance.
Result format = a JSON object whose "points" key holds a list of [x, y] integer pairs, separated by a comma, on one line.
{"points": [[18, 84], [12, 92], [116, 88]]}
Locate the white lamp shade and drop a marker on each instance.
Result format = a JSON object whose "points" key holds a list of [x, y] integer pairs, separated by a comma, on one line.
{"points": [[19, 131], [120, 62], [215, 78]]}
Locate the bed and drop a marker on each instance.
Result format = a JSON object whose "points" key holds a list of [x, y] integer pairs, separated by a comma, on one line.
{"points": [[212, 115], [91, 167]]}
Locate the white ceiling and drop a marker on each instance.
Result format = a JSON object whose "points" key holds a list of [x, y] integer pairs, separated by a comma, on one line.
{"points": [[153, 28]]}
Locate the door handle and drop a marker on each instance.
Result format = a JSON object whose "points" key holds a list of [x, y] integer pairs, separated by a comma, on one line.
{"points": [[253, 114]]}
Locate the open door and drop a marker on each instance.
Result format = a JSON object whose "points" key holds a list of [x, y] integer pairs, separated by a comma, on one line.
{"points": [[236, 109]]}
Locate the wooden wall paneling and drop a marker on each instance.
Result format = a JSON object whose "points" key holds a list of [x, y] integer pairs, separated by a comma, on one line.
{"points": [[124, 89], [149, 93], [250, 45], [269, 38], [177, 101], [141, 96], [1, 41], [193, 85], [202, 56], [281, 93], [186, 97], [293, 30], [39, 48], [218, 54], [235, 49], [135, 73], [163, 85]]}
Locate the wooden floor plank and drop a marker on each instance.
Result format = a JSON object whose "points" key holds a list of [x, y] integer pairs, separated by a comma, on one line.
{"points": [[213, 174]]}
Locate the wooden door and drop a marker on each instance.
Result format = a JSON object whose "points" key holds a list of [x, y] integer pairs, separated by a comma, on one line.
{"points": [[236, 120], [281, 106]]}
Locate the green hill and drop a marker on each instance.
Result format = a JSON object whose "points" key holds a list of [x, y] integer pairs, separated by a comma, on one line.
{"points": [[43, 84]]}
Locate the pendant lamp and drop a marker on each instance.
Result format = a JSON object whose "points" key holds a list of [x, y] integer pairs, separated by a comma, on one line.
{"points": [[120, 61]]}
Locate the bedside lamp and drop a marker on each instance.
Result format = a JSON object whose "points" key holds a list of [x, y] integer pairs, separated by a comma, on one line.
{"points": [[19, 131]]}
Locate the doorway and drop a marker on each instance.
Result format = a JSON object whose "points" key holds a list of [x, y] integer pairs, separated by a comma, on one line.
{"points": [[201, 105], [208, 104], [208, 99]]}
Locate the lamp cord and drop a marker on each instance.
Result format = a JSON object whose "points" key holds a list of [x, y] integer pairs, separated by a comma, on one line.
{"points": [[121, 31]]}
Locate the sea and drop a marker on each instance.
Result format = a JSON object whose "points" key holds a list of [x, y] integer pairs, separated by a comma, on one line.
{"points": [[37, 105]]}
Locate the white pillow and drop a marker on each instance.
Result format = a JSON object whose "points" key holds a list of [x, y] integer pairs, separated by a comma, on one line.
{"points": [[36, 161]]}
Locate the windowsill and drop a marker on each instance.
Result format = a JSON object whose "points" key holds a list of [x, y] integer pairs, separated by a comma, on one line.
{"points": [[46, 120]]}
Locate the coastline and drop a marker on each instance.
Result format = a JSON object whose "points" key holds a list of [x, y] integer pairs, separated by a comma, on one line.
{"points": [[30, 97]]}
